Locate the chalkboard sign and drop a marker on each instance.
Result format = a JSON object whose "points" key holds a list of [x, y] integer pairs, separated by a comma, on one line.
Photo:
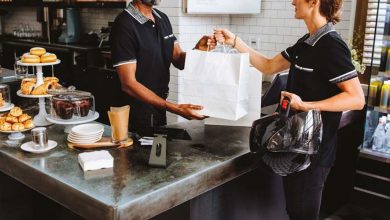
{"points": [[222, 6]]}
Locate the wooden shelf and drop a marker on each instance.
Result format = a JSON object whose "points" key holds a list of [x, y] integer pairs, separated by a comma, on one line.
{"points": [[39, 3], [368, 153]]}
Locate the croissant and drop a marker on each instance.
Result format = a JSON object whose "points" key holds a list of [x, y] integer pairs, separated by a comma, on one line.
{"points": [[6, 126], [51, 79], [42, 89], [17, 126], [24, 117], [16, 111], [27, 88], [11, 119], [26, 80], [28, 124]]}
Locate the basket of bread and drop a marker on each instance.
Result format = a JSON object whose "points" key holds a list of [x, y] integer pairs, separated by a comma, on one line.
{"points": [[28, 86], [38, 55], [15, 121]]}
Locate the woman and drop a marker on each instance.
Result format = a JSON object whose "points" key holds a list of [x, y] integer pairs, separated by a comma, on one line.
{"points": [[322, 77]]}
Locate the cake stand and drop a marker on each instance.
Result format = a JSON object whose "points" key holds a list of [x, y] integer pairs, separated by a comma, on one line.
{"points": [[6, 107], [40, 119], [70, 123], [16, 135]]}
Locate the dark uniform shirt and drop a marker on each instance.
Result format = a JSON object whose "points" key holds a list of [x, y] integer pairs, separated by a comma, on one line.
{"points": [[318, 63], [136, 39]]}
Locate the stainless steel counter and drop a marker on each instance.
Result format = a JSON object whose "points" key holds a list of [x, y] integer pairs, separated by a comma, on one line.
{"points": [[132, 189]]}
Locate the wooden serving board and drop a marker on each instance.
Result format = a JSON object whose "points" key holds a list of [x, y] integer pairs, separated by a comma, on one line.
{"points": [[105, 142]]}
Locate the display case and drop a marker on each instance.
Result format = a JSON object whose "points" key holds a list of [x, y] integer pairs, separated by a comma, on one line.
{"points": [[377, 56], [72, 105], [372, 178]]}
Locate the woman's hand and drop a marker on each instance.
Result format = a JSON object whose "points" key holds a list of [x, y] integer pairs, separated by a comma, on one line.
{"points": [[296, 102], [224, 36], [206, 43]]}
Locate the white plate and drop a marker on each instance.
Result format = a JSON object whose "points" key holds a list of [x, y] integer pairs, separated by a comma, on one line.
{"points": [[75, 120], [19, 93], [7, 107], [88, 129], [84, 141], [28, 147], [84, 137], [19, 62]]}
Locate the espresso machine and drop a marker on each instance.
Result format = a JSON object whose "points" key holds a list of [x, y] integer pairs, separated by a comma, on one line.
{"points": [[71, 27]]}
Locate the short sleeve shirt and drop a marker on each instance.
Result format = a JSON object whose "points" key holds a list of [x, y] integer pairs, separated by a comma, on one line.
{"points": [[136, 39], [318, 63]]}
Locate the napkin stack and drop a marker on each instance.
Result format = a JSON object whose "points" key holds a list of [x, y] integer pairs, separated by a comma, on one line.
{"points": [[95, 160]]}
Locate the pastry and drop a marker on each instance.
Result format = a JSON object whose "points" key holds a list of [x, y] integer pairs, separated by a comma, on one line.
{"points": [[16, 111], [11, 119], [2, 102], [38, 51], [27, 88], [53, 78], [42, 89], [48, 58], [24, 117], [17, 127], [63, 109], [5, 126], [28, 124], [25, 80], [2, 120], [82, 107], [28, 58]]}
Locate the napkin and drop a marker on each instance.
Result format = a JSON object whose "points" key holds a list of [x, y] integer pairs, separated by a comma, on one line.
{"points": [[146, 141], [119, 120], [95, 160]]}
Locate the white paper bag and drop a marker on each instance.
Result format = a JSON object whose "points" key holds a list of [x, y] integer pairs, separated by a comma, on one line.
{"points": [[218, 82], [254, 89]]}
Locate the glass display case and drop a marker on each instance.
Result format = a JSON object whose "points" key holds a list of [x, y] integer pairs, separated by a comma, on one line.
{"points": [[72, 105], [372, 178], [377, 57]]}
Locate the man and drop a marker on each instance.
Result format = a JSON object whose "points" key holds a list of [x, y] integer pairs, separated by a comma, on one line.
{"points": [[143, 48]]}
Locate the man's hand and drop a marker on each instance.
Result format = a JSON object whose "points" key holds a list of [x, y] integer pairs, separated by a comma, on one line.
{"points": [[206, 43], [188, 111]]}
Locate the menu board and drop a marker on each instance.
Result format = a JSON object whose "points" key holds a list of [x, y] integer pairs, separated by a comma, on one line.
{"points": [[223, 6]]}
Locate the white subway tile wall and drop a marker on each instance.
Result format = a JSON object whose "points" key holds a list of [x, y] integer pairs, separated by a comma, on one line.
{"points": [[270, 31]]}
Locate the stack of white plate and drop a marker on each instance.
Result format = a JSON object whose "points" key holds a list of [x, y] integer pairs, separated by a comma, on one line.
{"points": [[86, 133]]}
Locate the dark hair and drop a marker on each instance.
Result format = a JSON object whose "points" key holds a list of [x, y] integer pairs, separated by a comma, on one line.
{"points": [[330, 9]]}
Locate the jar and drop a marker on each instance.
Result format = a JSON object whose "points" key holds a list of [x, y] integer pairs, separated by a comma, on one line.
{"points": [[5, 97]]}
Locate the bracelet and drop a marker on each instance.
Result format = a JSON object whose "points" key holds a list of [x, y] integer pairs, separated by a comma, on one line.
{"points": [[234, 42]]}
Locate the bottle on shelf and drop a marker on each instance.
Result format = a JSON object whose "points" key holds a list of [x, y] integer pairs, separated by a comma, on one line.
{"points": [[379, 134], [386, 142], [375, 91], [384, 96]]}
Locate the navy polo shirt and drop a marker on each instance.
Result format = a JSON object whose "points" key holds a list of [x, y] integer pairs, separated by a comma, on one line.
{"points": [[318, 63], [136, 39]]}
